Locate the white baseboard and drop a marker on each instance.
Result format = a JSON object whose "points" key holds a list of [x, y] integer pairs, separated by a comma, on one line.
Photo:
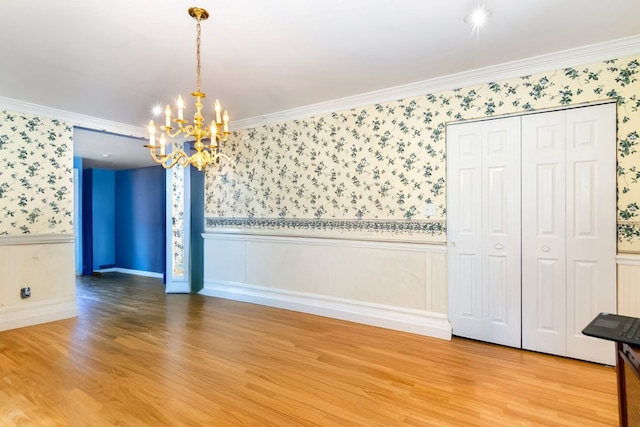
{"points": [[106, 270], [177, 287], [402, 319], [36, 313], [129, 271], [140, 273]]}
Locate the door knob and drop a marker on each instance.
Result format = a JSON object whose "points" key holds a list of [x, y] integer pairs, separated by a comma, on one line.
{"points": [[545, 249], [498, 246]]}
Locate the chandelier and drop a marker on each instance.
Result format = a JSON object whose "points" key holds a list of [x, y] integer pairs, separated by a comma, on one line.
{"points": [[217, 131]]}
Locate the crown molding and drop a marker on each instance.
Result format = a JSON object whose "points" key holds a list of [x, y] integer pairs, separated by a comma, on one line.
{"points": [[567, 58], [562, 59], [74, 119]]}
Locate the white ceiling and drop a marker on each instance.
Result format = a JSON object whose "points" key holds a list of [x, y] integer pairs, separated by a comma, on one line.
{"points": [[114, 60]]}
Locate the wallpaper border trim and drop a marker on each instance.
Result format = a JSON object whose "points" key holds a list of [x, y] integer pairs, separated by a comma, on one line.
{"points": [[403, 227]]}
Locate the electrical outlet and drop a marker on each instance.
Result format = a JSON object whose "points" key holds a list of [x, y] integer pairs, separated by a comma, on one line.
{"points": [[25, 292], [429, 209]]}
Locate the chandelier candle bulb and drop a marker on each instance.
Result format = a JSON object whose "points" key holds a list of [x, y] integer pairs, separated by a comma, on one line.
{"points": [[163, 142], [152, 133], [167, 114], [225, 118], [217, 108], [180, 105]]}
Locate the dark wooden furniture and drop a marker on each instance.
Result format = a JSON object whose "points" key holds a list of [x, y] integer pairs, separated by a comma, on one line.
{"points": [[625, 332], [628, 373]]}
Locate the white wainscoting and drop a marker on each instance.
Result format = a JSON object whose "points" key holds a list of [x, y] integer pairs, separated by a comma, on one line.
{"points": [[629, 284], [45, 263], [400, 286]]}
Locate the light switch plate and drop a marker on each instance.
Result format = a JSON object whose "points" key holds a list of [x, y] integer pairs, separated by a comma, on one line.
{"points": [[429, 209]]}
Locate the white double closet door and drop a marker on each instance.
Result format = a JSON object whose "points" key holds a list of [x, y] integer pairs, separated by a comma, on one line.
{"points": [[531, 229]]}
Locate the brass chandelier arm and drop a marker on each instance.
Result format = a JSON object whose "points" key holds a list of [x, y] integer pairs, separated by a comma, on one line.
{"points": [[188, 131], [169, 160], [224, 156], [207, 155]]}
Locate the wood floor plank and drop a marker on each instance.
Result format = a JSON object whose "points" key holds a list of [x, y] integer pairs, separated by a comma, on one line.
{"points": [[138, 357]]}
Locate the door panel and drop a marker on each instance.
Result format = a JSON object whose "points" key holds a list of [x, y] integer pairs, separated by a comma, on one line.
{"points": [[543, 233], [591, 222], [547, 214], [499, 210], [464, 232], [501, 230], [498, 282], [483, 225], [548, 314], [584, 199], [467, 284]]}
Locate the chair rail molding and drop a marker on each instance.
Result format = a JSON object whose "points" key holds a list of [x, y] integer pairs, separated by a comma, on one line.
{"points": [[36, 239]]}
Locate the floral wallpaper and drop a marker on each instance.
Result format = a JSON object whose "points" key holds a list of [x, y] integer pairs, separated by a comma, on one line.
{"points": [[36, 177], [372, 169], [177, 218]]}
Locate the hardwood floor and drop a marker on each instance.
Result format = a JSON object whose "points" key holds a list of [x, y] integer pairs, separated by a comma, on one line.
{"points": [[138, 357]]}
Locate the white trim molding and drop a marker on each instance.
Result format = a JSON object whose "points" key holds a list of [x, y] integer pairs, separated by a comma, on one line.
{"points": [[129, 271], [36, 239], [177, 286], [36, 313], [414, 321], [140, 273], [75, 119], [275, 237], [567, 58], [628, 259]]}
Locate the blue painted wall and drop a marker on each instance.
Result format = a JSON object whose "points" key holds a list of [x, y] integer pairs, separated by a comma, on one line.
{"points": [[77, 212], [103, 213], [197, 228], [140, 219], [87, 222], [123, 219]]}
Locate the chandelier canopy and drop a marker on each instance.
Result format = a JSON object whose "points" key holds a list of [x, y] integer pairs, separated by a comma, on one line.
{"points": [[206, 138]]}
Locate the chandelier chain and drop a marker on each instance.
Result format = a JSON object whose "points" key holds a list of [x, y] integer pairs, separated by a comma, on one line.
{"points": [[198, 52]]}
